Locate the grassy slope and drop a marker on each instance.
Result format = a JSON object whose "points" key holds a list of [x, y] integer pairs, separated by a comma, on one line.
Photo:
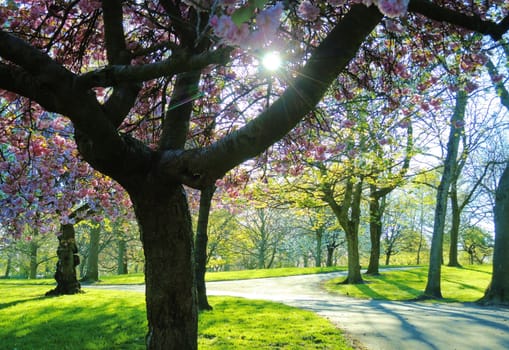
{"points": [[229, 275], [458, 284], [116, 320]]}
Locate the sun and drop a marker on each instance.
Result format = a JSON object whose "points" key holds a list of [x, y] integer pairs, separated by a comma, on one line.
{"points": [[271, 61]]}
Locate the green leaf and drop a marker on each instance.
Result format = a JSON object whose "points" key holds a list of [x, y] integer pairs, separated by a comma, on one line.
{"points": [[242, 15], [259, 4]]}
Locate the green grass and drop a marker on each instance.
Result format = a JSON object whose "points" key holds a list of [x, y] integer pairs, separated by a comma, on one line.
{"points": [[229, 275], [116, 320], [458, 284]]}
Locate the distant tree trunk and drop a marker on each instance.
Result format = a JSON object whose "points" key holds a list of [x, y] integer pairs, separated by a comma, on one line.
{"points": [[330, 255], [455, 225], [433, 288], [201, 240], [388, 254], [498, 290], [68, 259], [8, 266], [122, 257], [92, 272], [318, 248], [348, 215], [375, 230], [34, 247]]}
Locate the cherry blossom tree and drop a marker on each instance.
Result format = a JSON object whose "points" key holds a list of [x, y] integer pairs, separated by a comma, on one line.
{"points": [[112, 66]]}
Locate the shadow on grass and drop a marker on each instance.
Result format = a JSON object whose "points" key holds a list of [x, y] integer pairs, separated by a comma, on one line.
{"points": [[17, 302], [70, 322]]}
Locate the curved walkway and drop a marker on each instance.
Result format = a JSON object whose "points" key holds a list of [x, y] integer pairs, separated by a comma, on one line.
{"points": [[379, 325]]}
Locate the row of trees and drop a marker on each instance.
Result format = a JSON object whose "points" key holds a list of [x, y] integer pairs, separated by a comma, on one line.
{"points": [[163, 94]]}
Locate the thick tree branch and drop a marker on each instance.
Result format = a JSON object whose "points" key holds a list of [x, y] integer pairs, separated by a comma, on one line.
{"points": [[179, 63], [176, 120], [324, 65], [471, 22], [124, 96]]}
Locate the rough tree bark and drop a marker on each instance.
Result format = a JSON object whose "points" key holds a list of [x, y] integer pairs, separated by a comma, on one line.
{"points": [[433, 286], [167, 236], [201, 246], [498, 290], [68, 259]]}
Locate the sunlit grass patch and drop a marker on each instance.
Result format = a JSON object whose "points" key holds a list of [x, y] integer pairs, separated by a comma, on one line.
{"points": [[250, 324], [229, 275], [458, 284], [100, 319]]}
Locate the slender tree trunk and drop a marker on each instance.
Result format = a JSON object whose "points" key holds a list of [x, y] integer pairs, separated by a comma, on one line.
{"points": [[330, 255], [375, 232], [92, 272], [166, 232], [498, 290], [8, 266], [34, 247], [433, 288], [201, 246], [387, 257], [455, 226], [68, 259], [122, 257], [354, 266], [348, 215], [318, 254]]}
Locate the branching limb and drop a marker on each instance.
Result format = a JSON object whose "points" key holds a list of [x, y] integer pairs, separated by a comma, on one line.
{"points": [[471, 22], [178, 63]]}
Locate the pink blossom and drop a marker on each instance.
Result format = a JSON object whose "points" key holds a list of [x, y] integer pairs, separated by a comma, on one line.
{"points": [[393, 8], [307, 11], [347, 123]]}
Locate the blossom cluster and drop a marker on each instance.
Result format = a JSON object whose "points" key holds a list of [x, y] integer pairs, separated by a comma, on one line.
{"points": [[261, 30], [263, 25]]}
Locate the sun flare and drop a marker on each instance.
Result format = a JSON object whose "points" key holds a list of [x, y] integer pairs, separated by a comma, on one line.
{"points": [[271, 61]]}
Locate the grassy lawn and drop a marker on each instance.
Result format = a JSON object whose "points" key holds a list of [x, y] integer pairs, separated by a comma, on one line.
{"points": [[116, 320], [229, 275], [465, 284]]}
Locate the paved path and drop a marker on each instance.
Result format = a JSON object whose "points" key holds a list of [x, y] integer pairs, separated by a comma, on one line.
{"points": [[381, 325]]}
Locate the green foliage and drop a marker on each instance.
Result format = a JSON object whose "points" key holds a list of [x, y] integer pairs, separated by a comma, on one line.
{"points": [[116, 320], [458, 284]]}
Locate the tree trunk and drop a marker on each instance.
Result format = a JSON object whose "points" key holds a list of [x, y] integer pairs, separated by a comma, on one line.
{"points": [[8, 266], [498, 290], [201, 246], [34, 247], [166, 233], [92, 274], [354, 266], [455, 226], [122, 257], [375, 232], [348, 215], [388, 257], [330, 254], [433, 288], [68, 259], [318, 253]]}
